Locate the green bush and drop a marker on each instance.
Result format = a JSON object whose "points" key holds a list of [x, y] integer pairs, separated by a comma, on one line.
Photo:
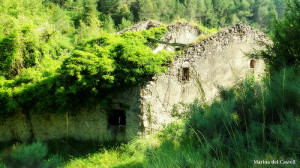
{"points": [[31, 156], [96, 68]]}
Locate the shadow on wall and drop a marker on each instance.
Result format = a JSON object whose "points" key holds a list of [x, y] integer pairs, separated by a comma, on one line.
{"points": [[117, 123]]}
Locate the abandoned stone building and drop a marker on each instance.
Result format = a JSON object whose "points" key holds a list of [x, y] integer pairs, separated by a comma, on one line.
{"points": [[200, 69]]}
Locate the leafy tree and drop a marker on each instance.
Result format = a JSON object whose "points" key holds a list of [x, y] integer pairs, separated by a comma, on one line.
{"points": [[280, 7], [125, 24], [28, 37], [108, 24], [147, 10], [191, 5], [285, 51], [200, 10], [108, 6], [263, 13], [242, 10]]}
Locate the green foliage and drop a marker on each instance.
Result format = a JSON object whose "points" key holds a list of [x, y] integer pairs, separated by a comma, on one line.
{"points": [[28, 156], [28, 38], [251, 120], [285, 51], [115, 61], [209, 13], [108, 25], [255, 120], [96, 68], [56, 54], [124, 24], [38, 63]]}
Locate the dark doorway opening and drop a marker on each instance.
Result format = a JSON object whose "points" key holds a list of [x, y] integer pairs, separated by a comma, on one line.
{"points": [[117, 118]]}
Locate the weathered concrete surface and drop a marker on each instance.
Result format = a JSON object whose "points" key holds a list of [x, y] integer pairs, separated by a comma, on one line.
{"points": [[217, 61]]}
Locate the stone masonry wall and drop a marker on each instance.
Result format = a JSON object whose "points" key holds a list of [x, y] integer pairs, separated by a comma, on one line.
{"points": [[217, 61], [87, 123]]}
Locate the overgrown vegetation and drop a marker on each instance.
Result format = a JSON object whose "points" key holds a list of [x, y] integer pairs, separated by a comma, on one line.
{"points": [[52, 50], [31, 155], [285, 51], [45, 60], [94, 68], [253, 121], [41, 70]]}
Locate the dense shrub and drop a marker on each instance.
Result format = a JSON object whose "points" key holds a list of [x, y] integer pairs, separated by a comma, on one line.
{"points": [[96, 68], [30, 156]]}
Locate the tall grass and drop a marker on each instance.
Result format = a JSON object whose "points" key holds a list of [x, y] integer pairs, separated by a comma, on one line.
{"points": [[250, 122], [256, 120]]}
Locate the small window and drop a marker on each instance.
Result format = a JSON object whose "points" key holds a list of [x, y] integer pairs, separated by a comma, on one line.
{"points": [[186, 74], [117, 118], [252, 63], [177, 49]]}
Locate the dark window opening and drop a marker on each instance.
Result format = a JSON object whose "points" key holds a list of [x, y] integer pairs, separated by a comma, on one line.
{"points": [[177, 49], [117, 118], [186, 74], [252, 63]]}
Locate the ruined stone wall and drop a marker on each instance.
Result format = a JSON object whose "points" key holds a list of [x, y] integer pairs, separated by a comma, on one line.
{"points": [[218, 61], [86, 123], [180, 32]]}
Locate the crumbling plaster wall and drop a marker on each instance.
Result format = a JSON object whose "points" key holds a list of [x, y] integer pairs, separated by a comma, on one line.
{"points": [[218, 61], [86, 123]]}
